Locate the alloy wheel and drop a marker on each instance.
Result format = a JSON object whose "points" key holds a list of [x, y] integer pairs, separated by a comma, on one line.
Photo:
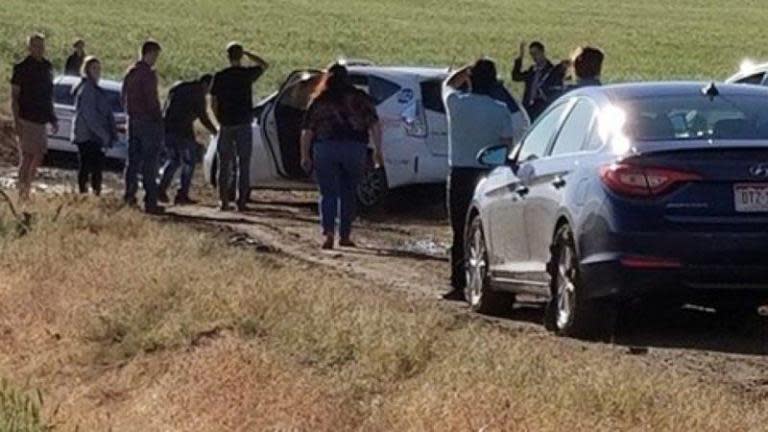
{"points": [[566, 288], [476, 267]]}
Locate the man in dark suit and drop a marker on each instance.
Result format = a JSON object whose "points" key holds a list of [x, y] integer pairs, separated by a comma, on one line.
{"points": [[543, 80]]}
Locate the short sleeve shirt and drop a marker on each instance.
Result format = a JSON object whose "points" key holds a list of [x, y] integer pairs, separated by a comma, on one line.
{"points": [[35, 81], [475, 122], [348, 121], [233, 90]]}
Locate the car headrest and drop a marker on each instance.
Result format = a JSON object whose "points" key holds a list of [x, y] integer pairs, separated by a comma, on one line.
{"points": [[646, 127], [733, 128]]}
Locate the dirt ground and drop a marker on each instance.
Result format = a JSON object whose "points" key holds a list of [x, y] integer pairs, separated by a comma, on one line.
{"points": [[403, 249]]}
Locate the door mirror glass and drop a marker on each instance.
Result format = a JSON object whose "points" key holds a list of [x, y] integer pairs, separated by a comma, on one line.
{"points": [[493, 156]]}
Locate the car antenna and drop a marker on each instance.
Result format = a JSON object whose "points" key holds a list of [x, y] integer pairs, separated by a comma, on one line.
{"points": [[711, 91]]}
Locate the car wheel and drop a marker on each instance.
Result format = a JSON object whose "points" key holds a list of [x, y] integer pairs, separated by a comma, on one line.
{"points": [[373, 188], [478, 292], [570, 312]]}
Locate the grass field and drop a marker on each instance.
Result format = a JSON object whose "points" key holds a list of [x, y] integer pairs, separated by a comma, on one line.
{"points": [[648, 39], [204, 336]]}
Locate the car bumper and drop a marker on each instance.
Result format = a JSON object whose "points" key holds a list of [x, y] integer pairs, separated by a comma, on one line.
{"points": [[689, 264]]}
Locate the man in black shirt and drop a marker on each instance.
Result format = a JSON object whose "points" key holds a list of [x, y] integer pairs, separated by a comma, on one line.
{"points": [[186, 103], [32, 106], [75, 60], [232, 99]]}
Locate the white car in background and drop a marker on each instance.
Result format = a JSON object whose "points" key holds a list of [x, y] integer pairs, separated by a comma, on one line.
{"points": [[411, 110], [750, 73], [64, 105]]}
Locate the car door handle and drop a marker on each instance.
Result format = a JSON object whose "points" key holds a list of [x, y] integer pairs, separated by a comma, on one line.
{"points": [[522, 190], [558, 182]]}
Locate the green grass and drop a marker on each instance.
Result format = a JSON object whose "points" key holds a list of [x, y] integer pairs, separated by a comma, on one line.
{"points": [[648, 39], [18, 411]]}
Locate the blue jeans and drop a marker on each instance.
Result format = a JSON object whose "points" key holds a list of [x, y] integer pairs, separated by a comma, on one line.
{"points": [[181, 153], [339, 167], [145, 139], [235, 144]]}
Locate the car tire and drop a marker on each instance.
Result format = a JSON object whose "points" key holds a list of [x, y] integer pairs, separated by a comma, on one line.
{"points": [[569, 312], [478, 292], [373, 188]]}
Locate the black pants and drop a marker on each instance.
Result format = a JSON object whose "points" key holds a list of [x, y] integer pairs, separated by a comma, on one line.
{"points": [[461, 187], [91, 165]]}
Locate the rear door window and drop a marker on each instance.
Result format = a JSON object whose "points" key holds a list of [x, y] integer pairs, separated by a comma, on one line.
{"points": [[573, 133], [540, 136], [431, 95], [378, 88]]}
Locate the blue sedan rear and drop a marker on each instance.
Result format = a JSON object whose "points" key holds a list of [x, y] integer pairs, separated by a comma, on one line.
{"points": [[641, 190]]}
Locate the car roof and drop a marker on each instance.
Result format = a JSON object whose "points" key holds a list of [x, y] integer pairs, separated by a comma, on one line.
{"points": [[104, 83], [421, 71], [619, 92]]}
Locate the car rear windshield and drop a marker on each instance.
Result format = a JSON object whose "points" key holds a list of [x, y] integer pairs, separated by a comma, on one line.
{"points": [[62, 95], [697, 117]]}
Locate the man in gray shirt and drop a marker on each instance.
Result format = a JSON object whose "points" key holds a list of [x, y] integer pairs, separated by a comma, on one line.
{"points": [[475, 121]]}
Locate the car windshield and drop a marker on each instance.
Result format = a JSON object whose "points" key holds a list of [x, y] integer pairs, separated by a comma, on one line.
{"points": [[696, 117]]}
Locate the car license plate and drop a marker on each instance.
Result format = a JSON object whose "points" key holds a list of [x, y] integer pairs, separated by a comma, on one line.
{"points": [[751, 197]]}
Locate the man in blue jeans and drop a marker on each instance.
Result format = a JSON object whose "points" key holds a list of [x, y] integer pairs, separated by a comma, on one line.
{"points": [[186, 103], [232, 100], [145, 128]]}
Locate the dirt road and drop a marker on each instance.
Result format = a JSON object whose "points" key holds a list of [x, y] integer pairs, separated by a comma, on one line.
{"points": [[405, 250]]}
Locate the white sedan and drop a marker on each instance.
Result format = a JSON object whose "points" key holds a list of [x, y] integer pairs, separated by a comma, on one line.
{"points": [[415, 130], [64, 104]]}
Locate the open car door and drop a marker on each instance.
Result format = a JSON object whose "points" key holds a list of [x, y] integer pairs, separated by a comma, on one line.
{"points": [[281, 123]]}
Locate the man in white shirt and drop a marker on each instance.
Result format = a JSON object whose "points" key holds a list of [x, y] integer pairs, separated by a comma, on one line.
{"points": [[475, 121]]}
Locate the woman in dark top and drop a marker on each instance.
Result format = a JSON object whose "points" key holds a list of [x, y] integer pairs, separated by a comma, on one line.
{"points": [[338, 126], [94, 126]]}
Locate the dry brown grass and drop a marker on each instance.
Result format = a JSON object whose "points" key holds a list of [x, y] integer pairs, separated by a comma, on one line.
{"points": [[137, 325]]}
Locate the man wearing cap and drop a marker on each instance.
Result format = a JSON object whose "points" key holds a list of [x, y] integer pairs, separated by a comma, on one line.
{"points": [[232, 101], [75, 60]]}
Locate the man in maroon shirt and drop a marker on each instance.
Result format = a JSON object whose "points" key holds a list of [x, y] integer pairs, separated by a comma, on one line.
{"points": [[145, 127]]}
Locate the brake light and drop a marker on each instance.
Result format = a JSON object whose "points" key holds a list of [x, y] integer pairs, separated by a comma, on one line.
{"points": [[414, 120], [638, 181], [646, 262]]}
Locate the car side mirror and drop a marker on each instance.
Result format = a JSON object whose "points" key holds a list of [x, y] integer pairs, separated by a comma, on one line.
{"points": [[493, 156]]}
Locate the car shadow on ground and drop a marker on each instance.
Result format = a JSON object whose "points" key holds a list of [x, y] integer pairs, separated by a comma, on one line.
{"points": [[684, 328], [68, 161], [695, 328]]}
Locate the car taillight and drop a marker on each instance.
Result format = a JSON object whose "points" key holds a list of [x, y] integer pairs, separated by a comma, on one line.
{"points": [[638, 181], [414, 120]]}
